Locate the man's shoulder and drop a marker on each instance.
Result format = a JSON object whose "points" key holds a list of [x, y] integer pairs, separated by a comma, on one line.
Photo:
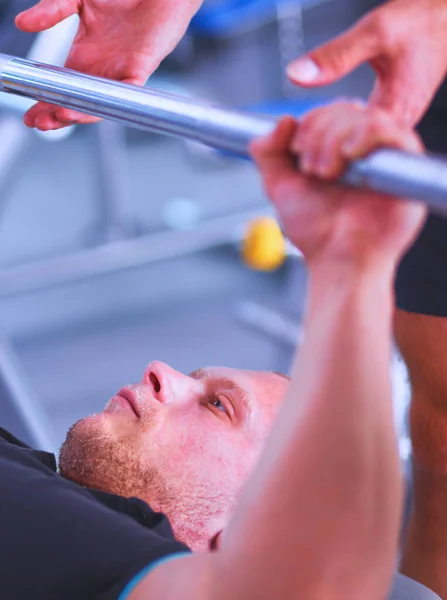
{"points": [[20, 452], [138, 510], [440, 100], [107, 539], [6, 436]]}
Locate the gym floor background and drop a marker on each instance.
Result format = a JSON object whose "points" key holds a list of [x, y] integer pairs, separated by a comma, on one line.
{"points": [[78, 344]]}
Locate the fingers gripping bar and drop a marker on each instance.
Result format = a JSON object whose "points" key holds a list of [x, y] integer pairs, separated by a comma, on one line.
{"points": [[388, 171]]}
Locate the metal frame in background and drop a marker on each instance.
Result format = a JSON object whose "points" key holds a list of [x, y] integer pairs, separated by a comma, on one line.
{"points": [[20, 406]]}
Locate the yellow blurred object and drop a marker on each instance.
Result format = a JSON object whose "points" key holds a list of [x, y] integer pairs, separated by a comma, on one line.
{"points": [[264, 246]]}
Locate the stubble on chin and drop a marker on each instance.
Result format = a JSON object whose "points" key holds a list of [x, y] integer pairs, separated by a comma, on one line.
{"points": [[91, 457]]}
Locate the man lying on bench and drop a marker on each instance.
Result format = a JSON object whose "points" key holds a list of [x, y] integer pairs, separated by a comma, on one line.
{"points": [[252, 486]]}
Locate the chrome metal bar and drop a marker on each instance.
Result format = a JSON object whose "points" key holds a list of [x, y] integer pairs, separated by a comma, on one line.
{"points": [[387, 171], [131, 105]]}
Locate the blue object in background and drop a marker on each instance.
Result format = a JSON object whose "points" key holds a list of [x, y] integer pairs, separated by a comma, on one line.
{"points": [[227, 16], [224, 17], [295, 108]]}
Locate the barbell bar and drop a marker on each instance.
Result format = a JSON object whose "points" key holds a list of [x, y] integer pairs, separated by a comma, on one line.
{"points": [[420, 177]]}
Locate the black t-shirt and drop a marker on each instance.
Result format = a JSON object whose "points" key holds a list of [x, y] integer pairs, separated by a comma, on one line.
{"points": [[440, 100], [59, 541], [421, 282]]}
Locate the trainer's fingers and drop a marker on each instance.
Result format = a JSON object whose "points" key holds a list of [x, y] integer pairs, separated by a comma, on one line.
{"points": [[46, 14], [35, 111], [46, 121], [66, 116], [43, 115], [52, 126], [338, 57], [56, 118]]}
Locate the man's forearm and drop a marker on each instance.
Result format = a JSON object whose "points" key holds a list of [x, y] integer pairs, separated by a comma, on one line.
{"points": [[324, 500], [319, 518]]}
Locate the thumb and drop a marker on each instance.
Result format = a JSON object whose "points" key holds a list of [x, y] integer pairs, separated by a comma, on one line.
{"points": [[46, 14], [337, 58]]}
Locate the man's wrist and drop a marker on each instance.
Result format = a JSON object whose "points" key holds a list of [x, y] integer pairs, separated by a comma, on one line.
{"points": [[369, 282], [357, 267]]}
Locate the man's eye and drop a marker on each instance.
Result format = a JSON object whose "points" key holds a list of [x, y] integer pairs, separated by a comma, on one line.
{"points": [[217, 403]]}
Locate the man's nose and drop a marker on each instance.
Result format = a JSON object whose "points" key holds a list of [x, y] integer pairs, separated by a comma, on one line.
{"points": [[167, 384]]}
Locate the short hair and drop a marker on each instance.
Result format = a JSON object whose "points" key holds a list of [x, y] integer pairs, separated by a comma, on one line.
{"points": [[282, 375]]}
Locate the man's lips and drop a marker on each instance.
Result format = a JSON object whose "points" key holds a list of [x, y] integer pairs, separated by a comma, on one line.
{"points": [[131, 397]]}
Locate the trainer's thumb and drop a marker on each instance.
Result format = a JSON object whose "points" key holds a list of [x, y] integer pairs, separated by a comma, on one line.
{"points": [[46, 14], [333, 60]]}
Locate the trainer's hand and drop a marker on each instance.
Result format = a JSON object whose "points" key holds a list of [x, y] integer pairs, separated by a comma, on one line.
{"points": [[405, 42], [119, 39], [324, 219]]}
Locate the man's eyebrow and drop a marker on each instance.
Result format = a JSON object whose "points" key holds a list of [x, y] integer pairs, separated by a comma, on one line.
{"points": [[198, 374], [241, 394], [283, 375], [228, 384]]}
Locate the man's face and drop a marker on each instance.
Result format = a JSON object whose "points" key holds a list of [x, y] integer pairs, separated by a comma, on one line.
{"points": [[185, 444]]}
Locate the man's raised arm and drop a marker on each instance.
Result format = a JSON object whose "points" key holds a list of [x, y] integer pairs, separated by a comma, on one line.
{"points": [[319, 518]]}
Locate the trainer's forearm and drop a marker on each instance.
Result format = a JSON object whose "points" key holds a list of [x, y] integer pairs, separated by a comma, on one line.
{"points": [[323, 505]]}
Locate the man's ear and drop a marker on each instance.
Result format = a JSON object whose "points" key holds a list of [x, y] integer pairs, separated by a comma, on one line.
{"points": [[215, 542]]}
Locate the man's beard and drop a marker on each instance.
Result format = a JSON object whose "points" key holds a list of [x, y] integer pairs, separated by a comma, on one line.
{"points": [[92, 459]]}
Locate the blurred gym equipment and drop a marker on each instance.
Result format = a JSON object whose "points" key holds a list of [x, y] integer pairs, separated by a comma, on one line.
{"points": [[22, 408]]}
